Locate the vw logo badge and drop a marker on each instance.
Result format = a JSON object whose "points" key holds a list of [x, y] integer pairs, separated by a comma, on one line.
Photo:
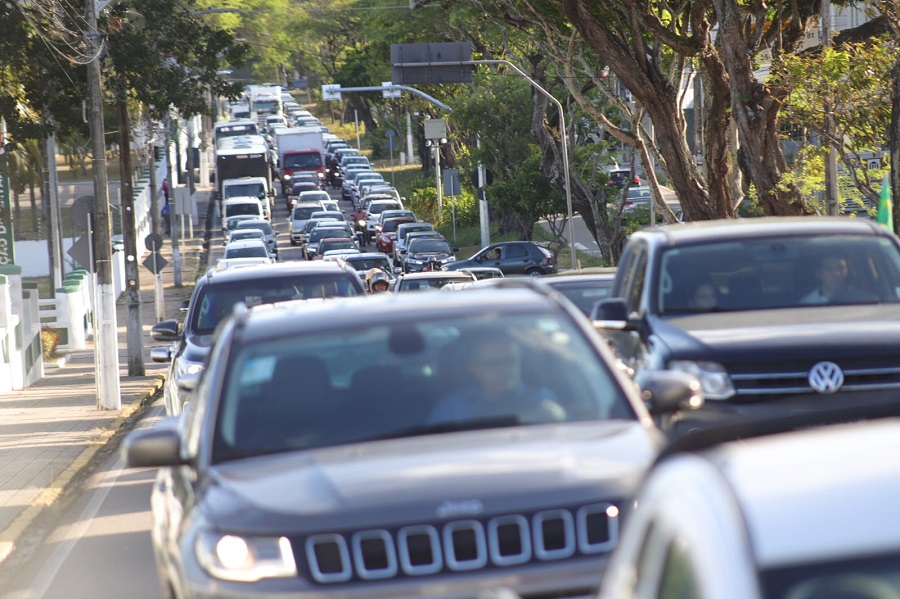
{"points": [[826, 377]]}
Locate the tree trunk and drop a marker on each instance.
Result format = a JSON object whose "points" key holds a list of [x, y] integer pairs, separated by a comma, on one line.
{"points": [[755, 109], [894, 141], [644, 79]]}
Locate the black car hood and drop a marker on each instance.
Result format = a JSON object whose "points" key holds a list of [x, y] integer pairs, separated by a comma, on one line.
{"points": [[197, 346], [407, 480], [820, 331]]}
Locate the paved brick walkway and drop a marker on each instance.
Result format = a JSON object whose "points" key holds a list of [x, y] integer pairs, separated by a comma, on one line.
{"points": [[51, 430]]}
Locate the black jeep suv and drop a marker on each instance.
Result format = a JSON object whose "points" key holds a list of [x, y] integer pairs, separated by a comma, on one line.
{"points": [[774, 315]]}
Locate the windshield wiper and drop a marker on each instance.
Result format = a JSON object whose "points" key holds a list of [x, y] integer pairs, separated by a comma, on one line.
{"points": [[448, 427]]}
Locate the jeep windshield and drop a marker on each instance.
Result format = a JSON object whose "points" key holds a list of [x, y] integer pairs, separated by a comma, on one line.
{"points": [[777, 272], [215, 301], [408, 379]]}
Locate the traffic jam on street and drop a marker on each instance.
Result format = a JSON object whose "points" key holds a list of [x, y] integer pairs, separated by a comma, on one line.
{"points": [[364, 399]]}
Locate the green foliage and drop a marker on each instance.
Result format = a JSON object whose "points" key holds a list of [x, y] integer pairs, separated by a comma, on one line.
{"points": [[852, 84], [50, 338], [165, 55]]}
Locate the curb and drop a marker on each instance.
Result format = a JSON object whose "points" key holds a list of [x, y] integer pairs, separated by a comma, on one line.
{"points": [[10, 537]]}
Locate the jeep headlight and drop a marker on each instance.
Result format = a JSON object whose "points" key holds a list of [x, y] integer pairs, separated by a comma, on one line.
{"points": [[245, 559], [712, 376]]}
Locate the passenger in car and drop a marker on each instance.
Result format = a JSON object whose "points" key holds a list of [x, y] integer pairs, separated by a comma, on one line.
{"points": [[496, 388], [834, 286], [705, 297]]}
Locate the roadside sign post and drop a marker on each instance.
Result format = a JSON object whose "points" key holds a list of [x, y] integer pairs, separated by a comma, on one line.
{"points": [[154, 242]]}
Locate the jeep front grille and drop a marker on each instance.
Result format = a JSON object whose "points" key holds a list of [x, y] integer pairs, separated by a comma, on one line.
{"points": [[864, 373], [459, 545]]}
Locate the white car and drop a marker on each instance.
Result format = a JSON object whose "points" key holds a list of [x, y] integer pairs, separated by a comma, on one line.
{"points": [[803, 514], [245, 252]]}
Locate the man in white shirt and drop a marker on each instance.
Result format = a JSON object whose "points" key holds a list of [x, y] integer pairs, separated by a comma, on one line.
{"points": [[833, 272]]}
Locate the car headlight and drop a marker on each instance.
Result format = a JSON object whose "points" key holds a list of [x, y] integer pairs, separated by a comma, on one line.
{"points": [[448, 259], [713, 377], [414, 261], [245, 559]]}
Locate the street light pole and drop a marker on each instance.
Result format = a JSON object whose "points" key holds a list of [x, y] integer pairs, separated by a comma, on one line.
{"points": [[563, 135], [562, 126], [106, 344]]}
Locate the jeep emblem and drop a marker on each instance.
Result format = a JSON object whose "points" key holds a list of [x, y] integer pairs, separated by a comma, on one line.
{"points": [[826, 377], [461, 507]]}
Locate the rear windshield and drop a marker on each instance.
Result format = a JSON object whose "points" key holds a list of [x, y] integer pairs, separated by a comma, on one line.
{"points": [[215, 301], [304, 212], [242, 208]]}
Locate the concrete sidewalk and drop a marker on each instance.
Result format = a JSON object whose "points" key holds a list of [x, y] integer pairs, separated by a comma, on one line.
{"points": [[51, 431]]}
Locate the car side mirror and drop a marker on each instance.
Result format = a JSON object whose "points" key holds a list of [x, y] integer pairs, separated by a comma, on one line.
{"points": [[455, 250], [155, 447], [670, 391], [610, 314], [167, 330]]}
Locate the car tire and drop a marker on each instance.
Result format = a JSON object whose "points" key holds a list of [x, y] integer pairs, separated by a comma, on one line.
{"points": [[293, 242], [533, 272]]}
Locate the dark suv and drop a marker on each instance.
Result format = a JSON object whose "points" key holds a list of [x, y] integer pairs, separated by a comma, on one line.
{"points": [[389, 447], [214, 298], [774, 315], [512, 258]]}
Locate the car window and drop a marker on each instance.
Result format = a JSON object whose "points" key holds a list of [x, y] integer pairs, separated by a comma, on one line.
{"points": [[284, 393], [780, 272], [429, 245], [365, 264], [516, 251], [638, 276], [216, 301], [304, 212], [251, 251]]}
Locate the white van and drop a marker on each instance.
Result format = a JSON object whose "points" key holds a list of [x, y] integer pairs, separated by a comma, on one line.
{"points": [[257, 187], [241, 206]]}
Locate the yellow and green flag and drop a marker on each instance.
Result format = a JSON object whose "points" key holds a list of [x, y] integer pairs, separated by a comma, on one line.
{"points": [[885, 205]]}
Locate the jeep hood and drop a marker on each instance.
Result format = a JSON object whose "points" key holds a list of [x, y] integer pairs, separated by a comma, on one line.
{"points": [[410, 480], [815, 331]]}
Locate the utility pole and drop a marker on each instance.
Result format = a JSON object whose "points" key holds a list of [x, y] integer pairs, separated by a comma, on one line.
{"points": [[55, 221], [154, 220], [106, 346], [133, 326]]}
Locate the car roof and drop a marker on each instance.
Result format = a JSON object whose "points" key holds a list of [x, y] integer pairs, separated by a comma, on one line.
{"points": [[438, 274], [289, 318], [369, 255], [733, 229], [276, 269], [242, 243]]}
